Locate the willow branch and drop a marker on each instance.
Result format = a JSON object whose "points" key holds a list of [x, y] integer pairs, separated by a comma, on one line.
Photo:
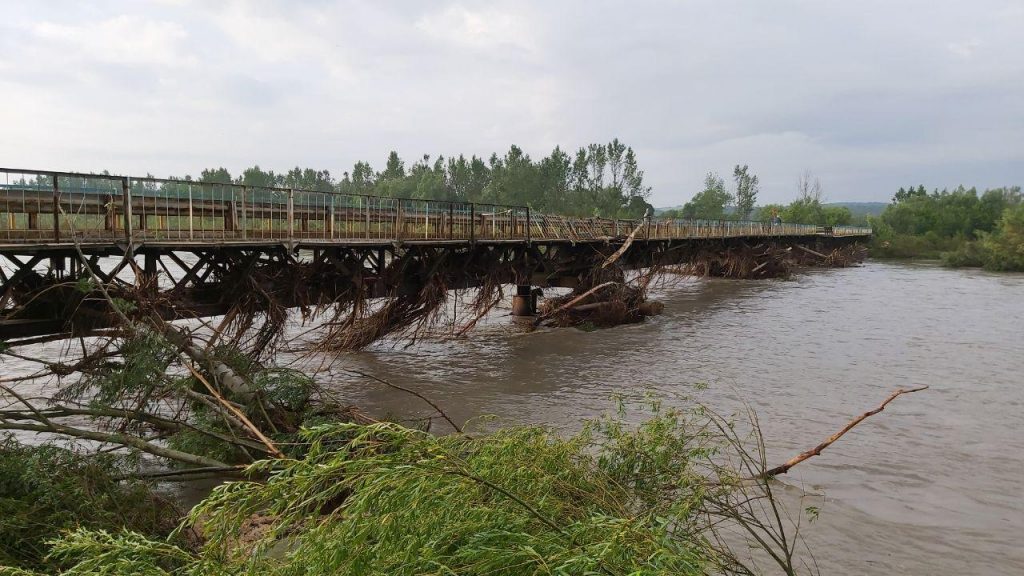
{"points": [[115, 438], [414, 393], [828, 442]]}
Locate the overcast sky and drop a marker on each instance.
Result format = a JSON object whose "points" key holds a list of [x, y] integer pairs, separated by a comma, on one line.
{"points": [[869, 95]]}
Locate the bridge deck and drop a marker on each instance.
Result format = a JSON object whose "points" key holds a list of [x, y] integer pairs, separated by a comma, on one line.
{"points": [[44, 210]]}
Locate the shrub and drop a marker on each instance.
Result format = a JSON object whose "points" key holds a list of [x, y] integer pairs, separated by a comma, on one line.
{"points": [[46, 490]]}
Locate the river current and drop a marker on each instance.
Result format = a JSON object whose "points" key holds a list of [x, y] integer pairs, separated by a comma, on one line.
{"points": [[932, 485]]}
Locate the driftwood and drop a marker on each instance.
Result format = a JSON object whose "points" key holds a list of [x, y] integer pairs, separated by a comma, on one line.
{"points": [[572, 302], [625, 246], [809, 251], [828, 442]]}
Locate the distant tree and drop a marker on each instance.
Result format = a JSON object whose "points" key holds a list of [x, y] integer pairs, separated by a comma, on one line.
{"points": [[255, 176], [709, 203], [395, 168], [746, 191], [308, 179], [555, 181], [808, 188], [363, 178], [769, 211], [218, 175], [600, 180]]}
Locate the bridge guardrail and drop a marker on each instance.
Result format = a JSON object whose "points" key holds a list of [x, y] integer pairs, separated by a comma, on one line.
{"points": [[55, 207]]}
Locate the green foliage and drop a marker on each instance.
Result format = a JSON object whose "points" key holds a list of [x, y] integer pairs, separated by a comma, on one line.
{"points": [[961, 227], [1005, 247], [285, 388], [967, 255], [45, 490], [141, 371], [601, 179], [384, 499], [101, 552], [948, 214], [808, 207], [196, 439], [746, 191], [709, 203]]}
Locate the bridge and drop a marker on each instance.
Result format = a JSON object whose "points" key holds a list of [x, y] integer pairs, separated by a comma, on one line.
{"points": [[196, 247]]}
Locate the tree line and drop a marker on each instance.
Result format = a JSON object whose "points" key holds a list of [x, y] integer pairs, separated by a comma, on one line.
{"points": [[961, 226], [717, 202], [598, 180]]}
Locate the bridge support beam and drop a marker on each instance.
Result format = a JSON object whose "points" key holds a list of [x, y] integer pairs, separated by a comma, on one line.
{"points": [[524, 303]]}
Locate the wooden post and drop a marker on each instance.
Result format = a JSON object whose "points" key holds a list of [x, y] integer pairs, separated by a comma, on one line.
{"points": [[110, 214], [399, 221], [451, 220], [190, 225], [291, 213], [330, 218], [244, 217], [56, 210], [126, 199], [527, 224], [472, 222], [229, 216]]}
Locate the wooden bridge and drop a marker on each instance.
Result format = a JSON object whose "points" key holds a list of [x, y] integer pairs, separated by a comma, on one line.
{"points": [[189, 240]]}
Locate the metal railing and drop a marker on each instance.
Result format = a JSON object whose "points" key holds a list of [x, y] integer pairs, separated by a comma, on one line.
{"points": [[60, 207]]}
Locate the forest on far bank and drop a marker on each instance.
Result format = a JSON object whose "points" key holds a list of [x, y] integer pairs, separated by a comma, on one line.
{"points": [[597, 180], [963, 226], [960, 226]]}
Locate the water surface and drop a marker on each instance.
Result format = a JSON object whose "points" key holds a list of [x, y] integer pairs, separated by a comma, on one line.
{"points": [[933, 485]]}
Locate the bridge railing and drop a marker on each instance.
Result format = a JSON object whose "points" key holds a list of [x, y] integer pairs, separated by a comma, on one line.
{"points": [[59, 207]]}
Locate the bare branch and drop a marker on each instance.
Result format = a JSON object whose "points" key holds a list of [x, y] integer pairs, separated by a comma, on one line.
{"points": [[828, 442]]}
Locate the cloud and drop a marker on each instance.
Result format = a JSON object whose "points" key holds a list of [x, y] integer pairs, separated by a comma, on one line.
{"points": [[122, 39], [492, 28], [964, 49], [866, 95]]}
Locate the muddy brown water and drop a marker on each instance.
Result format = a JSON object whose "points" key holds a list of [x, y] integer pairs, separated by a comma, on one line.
{"points": [[933, 485]]}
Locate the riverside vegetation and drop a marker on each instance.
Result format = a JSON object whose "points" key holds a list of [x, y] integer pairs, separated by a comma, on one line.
{"points": [[962, 227]]}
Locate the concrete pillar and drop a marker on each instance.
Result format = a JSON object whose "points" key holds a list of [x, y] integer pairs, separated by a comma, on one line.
{"points": [[524, 303]]}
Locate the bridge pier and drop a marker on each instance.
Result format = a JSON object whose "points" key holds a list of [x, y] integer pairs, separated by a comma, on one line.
{"points": [[524, 303]]}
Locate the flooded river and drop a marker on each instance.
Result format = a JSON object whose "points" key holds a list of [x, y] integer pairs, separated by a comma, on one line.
{"points": [[933, 485]]}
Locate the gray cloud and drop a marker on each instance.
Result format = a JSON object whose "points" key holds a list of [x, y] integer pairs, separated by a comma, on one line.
{"points": [[869, 95]]}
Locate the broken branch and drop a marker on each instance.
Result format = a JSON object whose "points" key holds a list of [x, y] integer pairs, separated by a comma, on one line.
{"points": [[818, 449]]}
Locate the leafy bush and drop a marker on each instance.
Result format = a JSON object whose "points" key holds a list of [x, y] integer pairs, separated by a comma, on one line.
{"points": [[384, 499], [1005, 246], [46, 490]]}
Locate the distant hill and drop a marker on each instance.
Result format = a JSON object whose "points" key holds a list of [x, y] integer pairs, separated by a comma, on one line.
{"points": [[858, 209], [861, 209], [666, 209]]}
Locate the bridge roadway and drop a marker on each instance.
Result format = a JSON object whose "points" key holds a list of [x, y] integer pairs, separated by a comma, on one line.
{"points": [[192, 243]]}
